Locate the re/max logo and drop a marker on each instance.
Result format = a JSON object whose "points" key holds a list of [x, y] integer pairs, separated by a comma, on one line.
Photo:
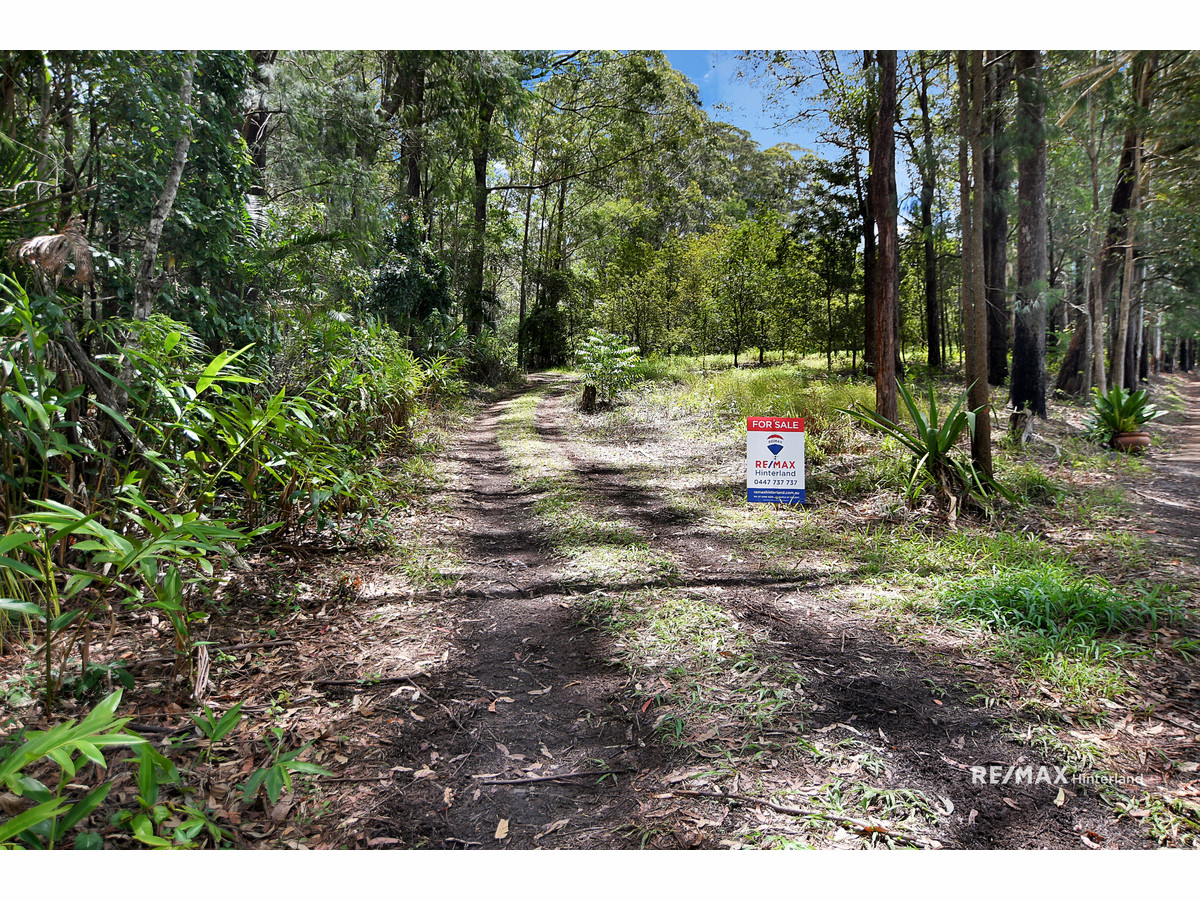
{"points": [[1021, 775], [774, 464]]}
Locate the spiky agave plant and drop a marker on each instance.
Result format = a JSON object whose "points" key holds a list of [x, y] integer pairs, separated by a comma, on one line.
{"points": [[931, 440]]}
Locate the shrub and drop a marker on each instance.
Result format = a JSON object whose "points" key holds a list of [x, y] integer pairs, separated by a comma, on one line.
{"points": [[1063, 607], [607, 364]]}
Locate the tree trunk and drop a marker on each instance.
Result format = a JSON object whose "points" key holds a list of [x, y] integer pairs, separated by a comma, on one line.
{"points": [[928, 176], [525, 255], [255, 125], [147, 285], [1028, 389], [1133, 141], [69, 182], [868, 210], [970, 93], [995, 222], [883, 198], [474, 300], [1157, 364], [410, 145]]}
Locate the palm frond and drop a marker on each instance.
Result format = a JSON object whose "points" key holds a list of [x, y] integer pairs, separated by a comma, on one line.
{"points": [[49, 254]]}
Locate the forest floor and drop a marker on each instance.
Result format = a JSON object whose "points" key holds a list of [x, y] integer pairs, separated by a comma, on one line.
{"points": [[585, 638]]}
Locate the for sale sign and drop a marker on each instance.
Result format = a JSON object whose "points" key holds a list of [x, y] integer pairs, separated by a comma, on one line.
{"points": [[774, 460]]}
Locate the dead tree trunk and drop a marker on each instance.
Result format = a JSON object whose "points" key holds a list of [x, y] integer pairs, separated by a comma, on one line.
{"points": [[147, 286]]}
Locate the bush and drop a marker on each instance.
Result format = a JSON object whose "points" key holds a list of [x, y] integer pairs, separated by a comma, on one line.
{"points": [[931, 441], [607, 364]]}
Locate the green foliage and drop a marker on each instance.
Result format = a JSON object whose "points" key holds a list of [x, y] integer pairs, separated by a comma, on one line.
{"points": [[162, 822], [276, 777], [544, 333], [39, 405], [411, 283], [217, 727], [1118, 412], [932, 441], [70, 746], [730, 395], [606, 364], [1060, 606]]}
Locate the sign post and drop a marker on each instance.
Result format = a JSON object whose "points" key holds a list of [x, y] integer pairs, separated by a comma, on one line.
{"points": [[774, 460]]}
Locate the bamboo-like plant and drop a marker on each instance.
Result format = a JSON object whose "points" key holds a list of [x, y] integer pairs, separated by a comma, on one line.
{"points": [[72, 746]]}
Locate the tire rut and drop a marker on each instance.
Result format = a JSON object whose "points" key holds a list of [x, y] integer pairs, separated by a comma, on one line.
{"points": [[530, 690]]}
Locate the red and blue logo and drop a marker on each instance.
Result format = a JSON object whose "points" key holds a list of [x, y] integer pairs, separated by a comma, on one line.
{"points": [[774, 444]]}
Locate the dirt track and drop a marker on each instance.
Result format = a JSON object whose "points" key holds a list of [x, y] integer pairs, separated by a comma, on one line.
{"points": [[533, 709]]}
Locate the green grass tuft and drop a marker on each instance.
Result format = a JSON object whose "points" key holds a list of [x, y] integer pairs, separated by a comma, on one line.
{"points": [[1059, 606]]}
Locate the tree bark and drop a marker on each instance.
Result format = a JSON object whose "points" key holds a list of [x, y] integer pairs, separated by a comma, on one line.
{"points": [[147, 286], [256, 124], [971, 89], [1130, 187], [474, 300], [883, 197], [1028, 388], [928, 177], [995, 222], [870, 263], [525, 258]]}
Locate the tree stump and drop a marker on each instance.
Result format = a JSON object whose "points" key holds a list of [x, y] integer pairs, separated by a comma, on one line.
{"points": [[587, 403]]}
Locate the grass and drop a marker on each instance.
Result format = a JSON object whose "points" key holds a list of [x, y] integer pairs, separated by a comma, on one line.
{"points": [[728, 397], [857, 798], [1019, 587], [616, 564], [561, 505], [1064, 609], [1074, 757], [698, 666], [1063, 628], [910, 568], [1172, 821]]}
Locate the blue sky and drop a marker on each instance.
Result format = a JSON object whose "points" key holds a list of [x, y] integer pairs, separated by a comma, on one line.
{"points": [[737, 101], [740, 102]]}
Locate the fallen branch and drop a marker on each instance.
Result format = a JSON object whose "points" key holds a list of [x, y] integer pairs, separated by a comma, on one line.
{"points": [[392, 679], [556, 777], [365, 682], [862, 826]]}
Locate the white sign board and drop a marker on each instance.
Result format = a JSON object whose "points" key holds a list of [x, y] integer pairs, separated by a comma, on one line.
{"points": [[774, 460]]}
